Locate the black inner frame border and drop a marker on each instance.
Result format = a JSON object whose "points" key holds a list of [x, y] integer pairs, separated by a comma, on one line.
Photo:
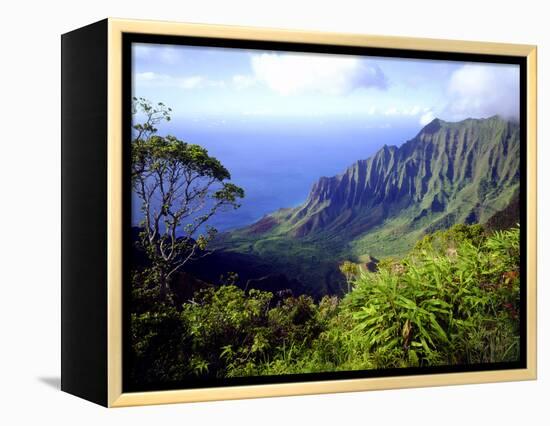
{"points": [[194, 383]]}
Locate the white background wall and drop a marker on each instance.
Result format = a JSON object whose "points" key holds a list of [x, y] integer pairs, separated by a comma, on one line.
{"points": [[30, 200]]}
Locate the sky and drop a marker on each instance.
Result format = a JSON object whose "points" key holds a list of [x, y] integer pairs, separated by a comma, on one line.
{"points": [[255, 86], [278, 121]]}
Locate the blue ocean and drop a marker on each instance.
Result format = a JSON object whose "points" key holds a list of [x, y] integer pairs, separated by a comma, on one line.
{"points": [[277, 164]]}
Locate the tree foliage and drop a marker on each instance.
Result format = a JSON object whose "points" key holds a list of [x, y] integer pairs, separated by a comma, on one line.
{"points": [[180, 188]]}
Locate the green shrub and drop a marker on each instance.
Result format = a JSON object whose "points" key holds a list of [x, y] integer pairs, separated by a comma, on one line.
{"points": [[161, 348], [446, 241], [444, 309], [228, 329], [453, 300]]}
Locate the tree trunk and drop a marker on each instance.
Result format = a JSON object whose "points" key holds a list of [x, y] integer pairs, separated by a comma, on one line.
{"points": [[164, 287]]}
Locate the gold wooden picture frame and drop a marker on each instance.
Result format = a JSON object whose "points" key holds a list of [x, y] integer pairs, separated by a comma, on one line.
{"points": [[95, 100]]}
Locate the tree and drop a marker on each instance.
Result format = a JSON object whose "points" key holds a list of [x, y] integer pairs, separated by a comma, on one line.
{"points": [[350, 270], [181, 188]]}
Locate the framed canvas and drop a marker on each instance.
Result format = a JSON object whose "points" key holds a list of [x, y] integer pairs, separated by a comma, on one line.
{"points": [[254, 212]]}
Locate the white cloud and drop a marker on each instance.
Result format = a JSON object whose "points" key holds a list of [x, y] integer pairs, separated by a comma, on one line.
{"points": [[193, 82], [413, 110], [426, 118], [477, 90], [294, 73], [146, 76], [405, 111], [243, 81], [152, 79], [259, 112]]}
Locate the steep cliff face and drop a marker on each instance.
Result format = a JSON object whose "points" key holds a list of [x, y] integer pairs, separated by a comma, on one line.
{"points": [[455, 171], [448, 173]]}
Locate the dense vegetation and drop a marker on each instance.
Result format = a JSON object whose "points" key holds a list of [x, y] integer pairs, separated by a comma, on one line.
{"points": [[453, 299]]}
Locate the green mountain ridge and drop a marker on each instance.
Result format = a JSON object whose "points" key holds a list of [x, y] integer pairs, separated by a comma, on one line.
{"points": [[463, 172]]}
